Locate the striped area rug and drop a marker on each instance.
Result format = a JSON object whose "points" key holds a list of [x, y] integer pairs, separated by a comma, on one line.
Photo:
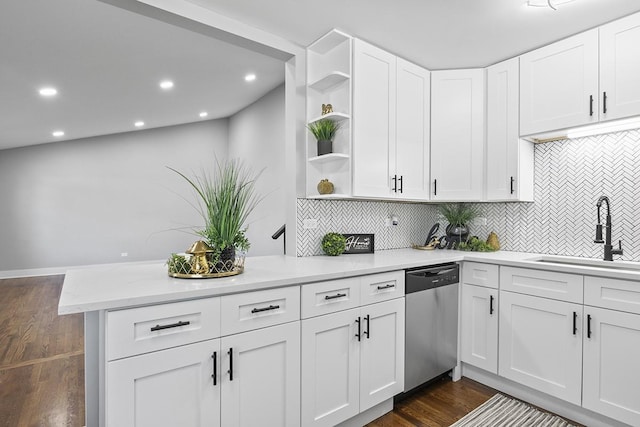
{"points": [[502, 411]]}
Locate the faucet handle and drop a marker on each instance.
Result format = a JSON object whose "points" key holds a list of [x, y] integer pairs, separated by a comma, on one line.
{"points": [[619, 250]]}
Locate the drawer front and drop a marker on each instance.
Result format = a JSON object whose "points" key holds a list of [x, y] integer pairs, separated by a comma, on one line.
{"points": [[259, 309], [547, 284], [145, 329], [475, 273], [329, 297], [623, 295], [381, 287]]}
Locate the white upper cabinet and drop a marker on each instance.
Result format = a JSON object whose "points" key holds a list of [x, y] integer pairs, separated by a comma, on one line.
{"points": [[457, 134], [412, 131], [620, 68], [559, 85], [374, 122], [509, 159], [391, 126]]}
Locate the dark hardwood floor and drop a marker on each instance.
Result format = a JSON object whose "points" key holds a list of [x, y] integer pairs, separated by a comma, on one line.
{"points": [[41, 356], [42, 367]]}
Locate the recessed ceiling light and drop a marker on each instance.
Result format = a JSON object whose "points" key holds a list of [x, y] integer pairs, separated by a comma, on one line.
{"points": [[250, 77], [204, 114], [48, 91], [138, 124], [166, 84], [57, 133]]}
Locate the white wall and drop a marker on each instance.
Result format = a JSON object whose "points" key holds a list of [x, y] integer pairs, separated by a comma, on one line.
{"points": [[257, 135], [87, 201]]}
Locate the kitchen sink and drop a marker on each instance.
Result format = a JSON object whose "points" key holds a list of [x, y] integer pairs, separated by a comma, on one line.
{"points": [[588, 262]]}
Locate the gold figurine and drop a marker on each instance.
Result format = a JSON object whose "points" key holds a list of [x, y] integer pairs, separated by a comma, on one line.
{"points": [[327, 109]]}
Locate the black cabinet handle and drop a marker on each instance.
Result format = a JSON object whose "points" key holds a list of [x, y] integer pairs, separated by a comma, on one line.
{"points": [[588, 326], [490, 304], [590, 105], [604, 102], [400, 179], [575, 323], [395, 184], [172, 325], [367, 318], [214, 356], [328, 297], [230, 371], [358, 322], [512, 185], [259, 310], [435, 187], [390, 285]]}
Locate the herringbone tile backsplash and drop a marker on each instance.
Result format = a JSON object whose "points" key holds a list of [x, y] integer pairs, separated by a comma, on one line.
{"points": [[569, 177]]}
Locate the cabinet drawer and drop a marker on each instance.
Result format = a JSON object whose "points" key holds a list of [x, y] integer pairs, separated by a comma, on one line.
{"points": [[547, 284], [259, 309], [145, 329], [381, 287], [329, 297], [623, 295], [475, 273]]}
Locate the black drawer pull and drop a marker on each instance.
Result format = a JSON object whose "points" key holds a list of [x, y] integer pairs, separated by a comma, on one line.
{"points": [[590, 105], [575, 323], [390, 285], [328, 297], [435, 187], [259, 310], [490, 304], [604, 102], [401, 185], [230, 371], [395, 184], [588, 326], [512, 185], [172, 325], [359, 331], [368, 319]]}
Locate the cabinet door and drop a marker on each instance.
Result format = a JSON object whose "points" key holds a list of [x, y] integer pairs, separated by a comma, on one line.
{"points": [[509, 159], [262, 382], [382, 352], [538, 345], [169, 388], [620, 68], [457, 134], [611, 368], [559, 85], [330, 368], [412, 131], [373, 120], [479, 328]]}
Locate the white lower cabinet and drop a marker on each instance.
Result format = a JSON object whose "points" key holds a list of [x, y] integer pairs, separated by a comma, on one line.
{"points": [[171, 387], [351, 361], [611, 370], [257, 379], [479, 327], [540, 344]]}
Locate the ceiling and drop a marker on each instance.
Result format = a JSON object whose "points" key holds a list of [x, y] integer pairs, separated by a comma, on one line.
{"points": [[437, 34], [106, 64]]}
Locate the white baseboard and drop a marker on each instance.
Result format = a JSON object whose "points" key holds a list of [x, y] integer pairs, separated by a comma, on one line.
{"points": [[542, 400]]}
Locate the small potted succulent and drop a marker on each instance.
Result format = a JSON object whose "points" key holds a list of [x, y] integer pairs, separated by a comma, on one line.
{"points": [[334, 244], [324, 130], [459, 217]]}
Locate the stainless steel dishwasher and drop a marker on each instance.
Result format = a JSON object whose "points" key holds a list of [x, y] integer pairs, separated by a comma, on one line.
{"points": [[431, 340]]}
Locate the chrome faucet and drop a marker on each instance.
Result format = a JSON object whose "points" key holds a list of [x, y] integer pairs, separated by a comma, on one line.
{"points": [[609, 252]]}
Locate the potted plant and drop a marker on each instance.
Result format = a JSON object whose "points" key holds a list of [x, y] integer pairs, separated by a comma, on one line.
{"points": [[459, 217], [225, 202], [333, 244], [324, 130]]}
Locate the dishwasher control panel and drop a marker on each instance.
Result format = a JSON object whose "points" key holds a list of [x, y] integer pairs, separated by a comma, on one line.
{"points": [[421, 278]]}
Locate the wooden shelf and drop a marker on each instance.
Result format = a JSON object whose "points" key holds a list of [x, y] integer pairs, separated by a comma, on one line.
{"points": [[326, 158], [328, 42], [330, 80], [336, 117]]}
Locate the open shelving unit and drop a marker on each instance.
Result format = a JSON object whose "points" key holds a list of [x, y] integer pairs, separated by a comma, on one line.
{"points": [[329, 70]]}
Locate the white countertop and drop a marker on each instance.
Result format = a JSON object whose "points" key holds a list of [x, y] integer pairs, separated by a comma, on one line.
{"points": [[126, 285]]}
